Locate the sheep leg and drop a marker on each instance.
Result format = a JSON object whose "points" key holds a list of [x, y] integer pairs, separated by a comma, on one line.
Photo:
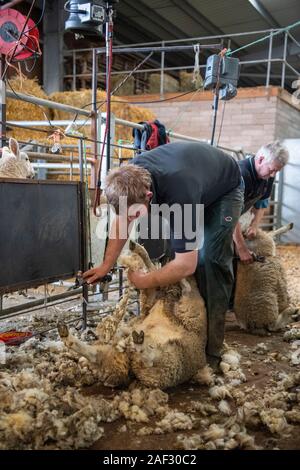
{"points": [[140, 250], [114, 365], [90, 352], [284, 318], [282, 230]]}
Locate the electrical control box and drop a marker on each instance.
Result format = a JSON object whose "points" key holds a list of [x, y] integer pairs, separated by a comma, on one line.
{"points": [[226, 69]]}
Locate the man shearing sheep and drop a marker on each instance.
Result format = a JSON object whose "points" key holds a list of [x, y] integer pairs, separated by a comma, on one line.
{"points": [[182, 174], [258, 173]]}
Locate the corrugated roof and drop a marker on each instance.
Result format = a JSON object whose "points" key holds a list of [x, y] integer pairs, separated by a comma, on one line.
{"points": [[177, 19]]}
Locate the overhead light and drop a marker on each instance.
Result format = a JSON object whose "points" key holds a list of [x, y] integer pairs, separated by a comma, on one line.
{"points": [[86, 18]]}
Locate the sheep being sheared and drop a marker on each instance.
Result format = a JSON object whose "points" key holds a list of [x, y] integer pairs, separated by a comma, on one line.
{"points": [[14, 163], [261, 301], [163, 347]]}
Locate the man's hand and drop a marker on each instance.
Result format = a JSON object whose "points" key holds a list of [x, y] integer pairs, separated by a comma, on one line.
{"points": [[137, 278], [95, 274], [251, 232], [245, 256]]}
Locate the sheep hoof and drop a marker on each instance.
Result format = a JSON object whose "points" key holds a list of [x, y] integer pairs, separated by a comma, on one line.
{"points": [[63, 329], [138, 338]]}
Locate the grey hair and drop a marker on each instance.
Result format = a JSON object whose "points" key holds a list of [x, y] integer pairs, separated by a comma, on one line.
{"points": [[274, 151]]}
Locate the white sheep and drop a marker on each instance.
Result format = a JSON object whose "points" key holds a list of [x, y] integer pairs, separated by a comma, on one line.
{"points": [[14, 163], [261, 301], [163, 347]]}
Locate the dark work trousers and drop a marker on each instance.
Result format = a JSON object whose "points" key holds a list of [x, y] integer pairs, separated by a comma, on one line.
{"points": [[214, 273]]}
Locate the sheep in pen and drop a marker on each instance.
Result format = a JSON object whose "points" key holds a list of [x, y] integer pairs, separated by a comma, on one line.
{"points": [[15, 163], [262, 303], [163, 347]]}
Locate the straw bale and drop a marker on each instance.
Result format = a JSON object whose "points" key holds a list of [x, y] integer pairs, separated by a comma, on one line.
{"points": [[186, 83], [22, 111], [126, 89], [171, 85], [119, 108]]}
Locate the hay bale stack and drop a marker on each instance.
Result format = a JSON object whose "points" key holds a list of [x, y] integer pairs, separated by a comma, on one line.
{"points": [[186, 81], [126, 89], [119, 108], [171, 85], [23, 111]]}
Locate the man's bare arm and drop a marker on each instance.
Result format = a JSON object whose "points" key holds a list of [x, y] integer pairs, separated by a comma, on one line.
{"points": [[252, 230], [241, 247]]}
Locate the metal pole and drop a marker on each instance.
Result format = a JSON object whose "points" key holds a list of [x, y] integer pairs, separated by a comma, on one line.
{"points": [[84, 263], [2, 107], [279, 198], [182, 67], [162, 75], [47, 103], [215, 112], [71, 164], [94, 123], [49, 157], [74, 70], [177, 41], [108, 39], [38, 302], [284, 59], [128, 50], [269, 60]]}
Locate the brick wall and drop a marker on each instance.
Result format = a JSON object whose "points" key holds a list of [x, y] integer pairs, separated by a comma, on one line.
{"points": [[256, 116]]}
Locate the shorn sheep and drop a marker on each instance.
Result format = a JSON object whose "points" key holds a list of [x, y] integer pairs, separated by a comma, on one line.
{"points": [[261, 302], [162, 347], [14, 163]]}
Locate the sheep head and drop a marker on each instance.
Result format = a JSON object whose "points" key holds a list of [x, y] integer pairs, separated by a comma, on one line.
{"points": [[262, 245], [14, 163]]}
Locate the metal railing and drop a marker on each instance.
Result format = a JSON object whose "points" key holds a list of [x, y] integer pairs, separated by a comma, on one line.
{"points": [[286, 39]]}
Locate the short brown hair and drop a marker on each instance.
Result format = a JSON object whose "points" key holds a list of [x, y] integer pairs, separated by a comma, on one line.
{"points": [[128, 180]]}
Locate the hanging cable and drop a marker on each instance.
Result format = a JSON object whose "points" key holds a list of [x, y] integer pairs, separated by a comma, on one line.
{"points": [[221, 125], [19, 38], [183, 110], [264, 38], [216, 96]]}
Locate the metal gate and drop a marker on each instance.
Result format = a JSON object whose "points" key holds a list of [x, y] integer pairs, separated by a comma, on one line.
{"points": [[40, 234]]}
